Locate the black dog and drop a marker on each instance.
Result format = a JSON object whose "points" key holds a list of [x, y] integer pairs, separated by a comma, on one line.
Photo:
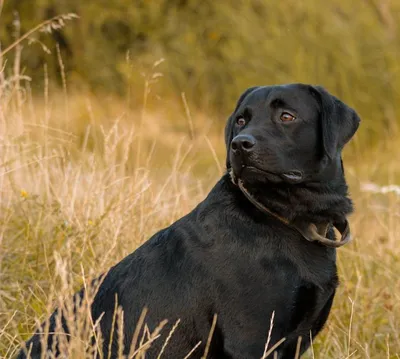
{"points": [[260, 245]]}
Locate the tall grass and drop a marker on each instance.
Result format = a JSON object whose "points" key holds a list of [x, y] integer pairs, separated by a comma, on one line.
{"points": [[78, 193], [85, 180]]}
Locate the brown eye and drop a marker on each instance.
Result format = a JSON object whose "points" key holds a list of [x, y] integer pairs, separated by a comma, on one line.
{"points": [[241, 121], [287, 117]]}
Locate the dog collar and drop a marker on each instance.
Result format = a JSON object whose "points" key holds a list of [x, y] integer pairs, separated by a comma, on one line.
{"points": [[311, 232]]}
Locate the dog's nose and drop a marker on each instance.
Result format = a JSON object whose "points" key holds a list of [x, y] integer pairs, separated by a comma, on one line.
{"points": [[243, 144]]}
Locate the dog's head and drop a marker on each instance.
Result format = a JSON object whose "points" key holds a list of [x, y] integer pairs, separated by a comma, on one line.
{"points": [[288, 133]]}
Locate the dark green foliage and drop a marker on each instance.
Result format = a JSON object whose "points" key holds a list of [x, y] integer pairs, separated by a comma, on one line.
{"points": [[215, 49]]}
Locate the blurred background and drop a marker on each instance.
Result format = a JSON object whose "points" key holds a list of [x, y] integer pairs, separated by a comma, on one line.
{"points": [[111, 127], [213, 50]]}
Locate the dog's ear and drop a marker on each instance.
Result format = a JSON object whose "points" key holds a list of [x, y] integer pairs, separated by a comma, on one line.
{"points": [[339, 122], [230, 125]]}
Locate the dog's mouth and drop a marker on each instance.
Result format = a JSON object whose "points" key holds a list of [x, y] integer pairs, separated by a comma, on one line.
{"points": [[255, 173], [293, 176]]}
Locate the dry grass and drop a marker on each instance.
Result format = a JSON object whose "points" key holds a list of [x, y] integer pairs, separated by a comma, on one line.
{"points": [[81, 191], [84, 181]]}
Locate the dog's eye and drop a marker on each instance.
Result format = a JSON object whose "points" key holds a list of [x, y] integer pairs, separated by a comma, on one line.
{"points": [[287, 117], [241, 121]]}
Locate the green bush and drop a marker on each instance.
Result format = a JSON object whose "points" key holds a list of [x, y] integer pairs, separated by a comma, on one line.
{"points": [[215, 49]]}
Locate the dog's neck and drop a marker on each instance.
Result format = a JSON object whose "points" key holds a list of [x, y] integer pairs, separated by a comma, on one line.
{"points": [[322, 201]]}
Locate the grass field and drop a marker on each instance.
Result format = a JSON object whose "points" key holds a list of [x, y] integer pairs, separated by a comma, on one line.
{"points": [[84, 181]]}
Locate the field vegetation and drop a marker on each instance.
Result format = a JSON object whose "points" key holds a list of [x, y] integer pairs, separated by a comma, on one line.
{"points": [[111, 128]]}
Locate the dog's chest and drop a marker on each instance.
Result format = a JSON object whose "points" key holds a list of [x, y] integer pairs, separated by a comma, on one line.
{"points": [[310, 262]]}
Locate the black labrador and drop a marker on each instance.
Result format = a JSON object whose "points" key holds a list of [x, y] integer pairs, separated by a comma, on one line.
{"points": [[261, 246]]}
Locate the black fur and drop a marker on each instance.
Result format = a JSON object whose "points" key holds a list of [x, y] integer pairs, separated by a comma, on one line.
{"points": [[227, 258]]}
